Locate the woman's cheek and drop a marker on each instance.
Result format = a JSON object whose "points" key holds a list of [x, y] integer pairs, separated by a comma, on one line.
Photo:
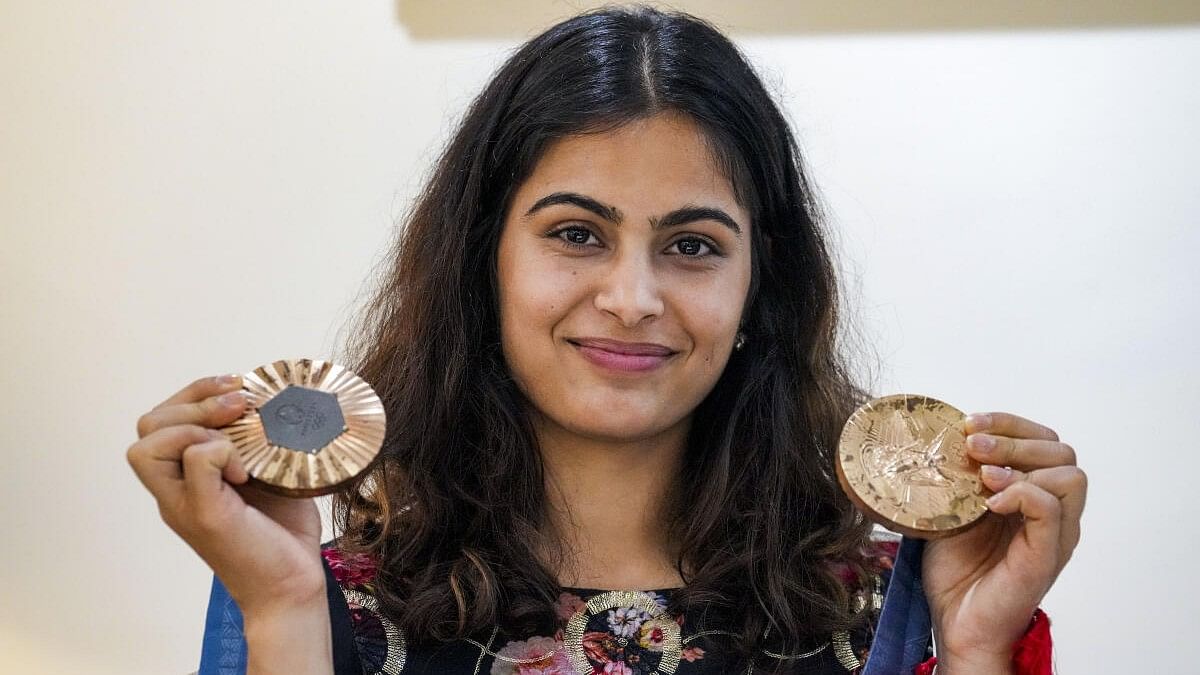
{"points": [[711, 326], [532, 309]]}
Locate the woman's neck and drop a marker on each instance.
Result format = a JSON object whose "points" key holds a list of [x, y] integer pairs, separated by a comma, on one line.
{"points": [[607, 502]]}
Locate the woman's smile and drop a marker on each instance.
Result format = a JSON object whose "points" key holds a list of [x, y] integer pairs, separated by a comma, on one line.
{"points": [[623, 357]]}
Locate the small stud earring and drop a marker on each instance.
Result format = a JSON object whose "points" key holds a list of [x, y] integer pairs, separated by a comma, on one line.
{"points": [[740, 341]]}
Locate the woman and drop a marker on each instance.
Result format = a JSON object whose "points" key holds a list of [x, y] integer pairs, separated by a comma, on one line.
{"points": [[607, 349]]}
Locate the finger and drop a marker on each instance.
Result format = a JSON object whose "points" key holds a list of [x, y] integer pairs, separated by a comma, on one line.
{"points": [[204, 467], [203, 388], [1021, 453], [235, 471], [156, 458], [199, 390], [214, 411], [1038, 542], [1007, 424], [1068, 484], [262, 500]]}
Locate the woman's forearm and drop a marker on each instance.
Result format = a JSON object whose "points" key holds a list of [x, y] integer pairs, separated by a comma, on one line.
{"points": [[293, 642]]}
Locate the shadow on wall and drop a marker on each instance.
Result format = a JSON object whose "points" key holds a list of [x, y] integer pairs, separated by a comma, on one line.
{"points": [[515, 19]]}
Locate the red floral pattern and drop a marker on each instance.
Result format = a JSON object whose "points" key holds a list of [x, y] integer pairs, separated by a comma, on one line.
{"points": [[355, 569]]}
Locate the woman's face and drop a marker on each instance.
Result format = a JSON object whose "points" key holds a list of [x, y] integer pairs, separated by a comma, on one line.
{"points": [[623, 269]]}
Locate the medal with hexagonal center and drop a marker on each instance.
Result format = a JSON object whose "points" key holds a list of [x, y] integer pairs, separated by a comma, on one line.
{"points": [[302, 419]]}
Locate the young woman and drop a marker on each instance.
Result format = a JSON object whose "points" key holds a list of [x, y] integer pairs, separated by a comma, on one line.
{"points": [[607, 348]]}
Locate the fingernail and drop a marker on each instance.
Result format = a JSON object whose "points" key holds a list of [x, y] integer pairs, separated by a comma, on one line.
{"points": [[982, 443], [228, 379], [996, 473], [993, 500], [979, 421], [231, 399]]}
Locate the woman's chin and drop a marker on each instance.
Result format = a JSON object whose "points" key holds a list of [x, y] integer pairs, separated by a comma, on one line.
{"points": [[605, 426]]}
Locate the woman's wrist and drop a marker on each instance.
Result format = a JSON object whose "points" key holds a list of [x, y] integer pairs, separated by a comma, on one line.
{"points": [[950, 664], [949, 661], [1031, 655], [296, 639]]}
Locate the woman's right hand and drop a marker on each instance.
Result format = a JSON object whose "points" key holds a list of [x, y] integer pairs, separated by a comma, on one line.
{"points": [[264, 548]]}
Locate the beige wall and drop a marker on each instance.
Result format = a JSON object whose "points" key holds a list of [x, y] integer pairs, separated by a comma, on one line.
{"points": [[192, 188]]}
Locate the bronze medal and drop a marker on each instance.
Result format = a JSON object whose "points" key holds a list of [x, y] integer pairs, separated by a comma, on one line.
{"points": [[903, 460], [310, 427]]}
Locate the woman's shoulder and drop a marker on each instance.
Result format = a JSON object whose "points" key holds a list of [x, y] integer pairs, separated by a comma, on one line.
{"points": [[606, 631]]}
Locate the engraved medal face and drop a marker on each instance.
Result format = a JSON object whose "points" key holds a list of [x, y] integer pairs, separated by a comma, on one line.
{"points": [[309, 427], [302, 419], [902, 460]]}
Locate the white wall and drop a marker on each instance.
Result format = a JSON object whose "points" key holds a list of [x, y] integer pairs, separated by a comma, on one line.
{"points": [[193, 188]]}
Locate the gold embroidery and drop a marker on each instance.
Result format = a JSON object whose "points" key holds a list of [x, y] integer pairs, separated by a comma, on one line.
{"points": [[704, 633], [782, 657], [483, 650], [843, 651], [573, 635], [789, 657], [486, 650], [394, 662], [841, 638], [672, 646]]}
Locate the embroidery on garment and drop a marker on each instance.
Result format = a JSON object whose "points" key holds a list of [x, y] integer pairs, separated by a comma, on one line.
{"points": [[615, 632], [381, 646]]}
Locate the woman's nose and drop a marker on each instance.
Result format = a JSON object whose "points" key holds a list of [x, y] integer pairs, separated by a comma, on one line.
{"points": [[630, 290]]}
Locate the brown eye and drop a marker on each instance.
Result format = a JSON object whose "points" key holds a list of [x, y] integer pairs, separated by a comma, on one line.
{"points": [[693, 247], [577, 236], [574, 236]]}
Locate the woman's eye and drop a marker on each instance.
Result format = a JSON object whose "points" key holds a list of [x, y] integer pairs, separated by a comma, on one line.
{"points": [[693, 247], [575, 236]]}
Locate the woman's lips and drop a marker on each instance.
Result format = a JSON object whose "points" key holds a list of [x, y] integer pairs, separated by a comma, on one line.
{"points": [[622, 356]]}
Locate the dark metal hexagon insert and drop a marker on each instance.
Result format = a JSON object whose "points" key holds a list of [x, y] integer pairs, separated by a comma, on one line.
{"points": [[302, 419]]}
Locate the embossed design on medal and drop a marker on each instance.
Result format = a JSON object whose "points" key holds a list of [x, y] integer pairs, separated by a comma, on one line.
{"points": [[309, 427], [902, 459], [668, 652]]}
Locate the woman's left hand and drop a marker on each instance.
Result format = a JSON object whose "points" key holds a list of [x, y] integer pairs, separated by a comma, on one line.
{"points": [[984, 584]]}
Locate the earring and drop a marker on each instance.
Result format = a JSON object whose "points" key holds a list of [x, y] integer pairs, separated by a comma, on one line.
{"points": [[740, 341]]}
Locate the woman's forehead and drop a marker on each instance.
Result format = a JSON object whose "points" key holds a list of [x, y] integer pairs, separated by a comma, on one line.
{"points": [[656, 163]]}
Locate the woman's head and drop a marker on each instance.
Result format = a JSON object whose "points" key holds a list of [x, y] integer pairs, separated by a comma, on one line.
{"points": [[622, 272], [645, 113]]}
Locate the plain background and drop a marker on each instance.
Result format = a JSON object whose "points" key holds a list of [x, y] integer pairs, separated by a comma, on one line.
{"points": [[195, 188]]}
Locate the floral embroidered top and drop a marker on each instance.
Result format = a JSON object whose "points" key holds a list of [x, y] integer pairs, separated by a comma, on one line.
{"points": [[598, 632]]}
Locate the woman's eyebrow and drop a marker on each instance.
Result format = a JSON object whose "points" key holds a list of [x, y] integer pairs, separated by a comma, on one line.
{"points": [[688, 214], [612, 214], [609, 213]]}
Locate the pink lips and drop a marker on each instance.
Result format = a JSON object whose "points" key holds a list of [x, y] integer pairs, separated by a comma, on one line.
{"points": [[622, 356]]}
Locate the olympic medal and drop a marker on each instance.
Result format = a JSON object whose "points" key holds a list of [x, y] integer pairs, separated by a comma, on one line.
{"points": [[902, 459], [309, 427]]}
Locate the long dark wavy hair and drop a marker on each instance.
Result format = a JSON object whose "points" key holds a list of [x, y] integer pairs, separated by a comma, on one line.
{"points": [[455, 509]]}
